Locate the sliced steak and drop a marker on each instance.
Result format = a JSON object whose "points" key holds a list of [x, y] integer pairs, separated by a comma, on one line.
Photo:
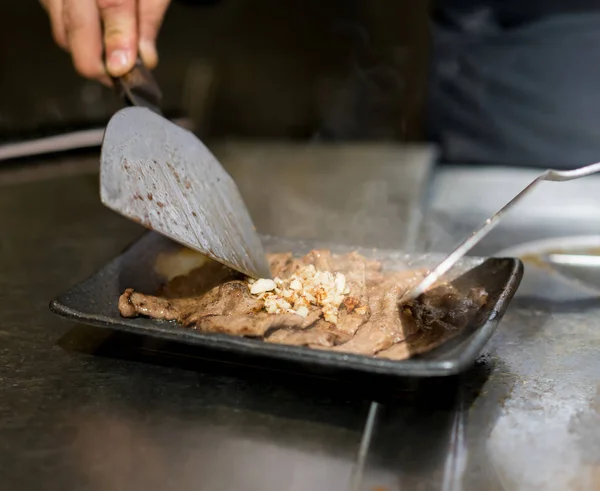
{"points": [[199, 281], [132, 304], [385, 327], [256, 325], [310, 337], [281, 264], [229, 299], [320, 259], [447, 307], [440, 314], [422, 341], [355, 311], [372, 266], [232, 298]]}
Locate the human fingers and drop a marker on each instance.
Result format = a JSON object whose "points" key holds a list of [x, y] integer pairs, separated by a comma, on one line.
{"points": [[54, 9], [119, 18], [84, 37], [150, 14]]}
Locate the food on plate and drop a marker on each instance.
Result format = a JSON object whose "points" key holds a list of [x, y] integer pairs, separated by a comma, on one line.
{"points": [[342, 302]]}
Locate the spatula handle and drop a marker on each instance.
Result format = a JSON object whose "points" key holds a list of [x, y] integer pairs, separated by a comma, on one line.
{"points": [[139, 88]]}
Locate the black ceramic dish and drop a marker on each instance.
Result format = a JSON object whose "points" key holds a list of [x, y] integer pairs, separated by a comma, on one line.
{"points": [[94, 301]]}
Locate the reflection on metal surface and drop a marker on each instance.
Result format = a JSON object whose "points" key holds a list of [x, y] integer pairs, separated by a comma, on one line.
{"points": [[574, 259], [219, 448], [457, 453], [363, 451]]}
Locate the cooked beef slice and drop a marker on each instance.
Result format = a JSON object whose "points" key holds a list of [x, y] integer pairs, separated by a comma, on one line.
{"points": [[447, 307], [422, 341], [440, 314], [132, 304], [314, 336], [232, 298], [282, 264], [385, 327], [350, 319], [199, 281], [320, 259], [254, 325]]}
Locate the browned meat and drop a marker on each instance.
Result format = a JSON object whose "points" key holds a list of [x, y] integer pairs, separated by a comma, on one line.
{"points": [[228, 299], [440, 315], [371, 265], [232, 298], [320, 259], [368, 321], [256, 325], [199, 281], [385, 327], [282, 264], [386, 324], [310, 337], [352, 316], [339, 333], [132, 304], [421, 341], [446, 307]]}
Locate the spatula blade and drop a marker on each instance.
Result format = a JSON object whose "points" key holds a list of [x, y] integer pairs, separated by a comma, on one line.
{"points": [[162, 176]]}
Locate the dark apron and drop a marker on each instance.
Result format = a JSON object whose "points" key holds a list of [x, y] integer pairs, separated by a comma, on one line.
{"points": [[522, 93]]}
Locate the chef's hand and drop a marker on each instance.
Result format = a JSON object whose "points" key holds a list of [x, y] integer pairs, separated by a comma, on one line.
{"points": [[128, 25]]}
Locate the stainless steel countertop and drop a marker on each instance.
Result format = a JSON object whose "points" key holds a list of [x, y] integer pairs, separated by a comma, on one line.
{"points": [[83, 408]]}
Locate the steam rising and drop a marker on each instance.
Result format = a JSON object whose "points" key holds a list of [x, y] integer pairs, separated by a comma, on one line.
{"points": [[336, 189], [360, 194]]}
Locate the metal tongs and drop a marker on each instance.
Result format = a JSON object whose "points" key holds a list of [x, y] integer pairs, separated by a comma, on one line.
{"points": [[435, 274]]}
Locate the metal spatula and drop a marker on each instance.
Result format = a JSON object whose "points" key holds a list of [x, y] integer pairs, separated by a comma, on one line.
{"points": [[162, 176], [471, 241]]}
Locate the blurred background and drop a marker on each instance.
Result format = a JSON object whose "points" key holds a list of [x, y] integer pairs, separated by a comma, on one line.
{"points": [[325, 105], [342, 70]]}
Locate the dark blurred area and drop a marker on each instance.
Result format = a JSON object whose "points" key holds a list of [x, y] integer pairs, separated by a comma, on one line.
{"points": [[335, 70]]}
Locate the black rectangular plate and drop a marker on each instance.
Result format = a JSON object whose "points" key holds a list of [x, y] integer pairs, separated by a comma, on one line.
{"points": [[94, 301]]}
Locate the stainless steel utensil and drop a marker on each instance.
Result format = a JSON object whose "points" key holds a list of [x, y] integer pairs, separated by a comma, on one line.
{"points": [[162, 176], [471, 241]]}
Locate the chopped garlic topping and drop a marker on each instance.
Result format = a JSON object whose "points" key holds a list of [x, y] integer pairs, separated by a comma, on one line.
{"points": [[295, 285], [307, 287], [302, 311], [261, 286]]}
